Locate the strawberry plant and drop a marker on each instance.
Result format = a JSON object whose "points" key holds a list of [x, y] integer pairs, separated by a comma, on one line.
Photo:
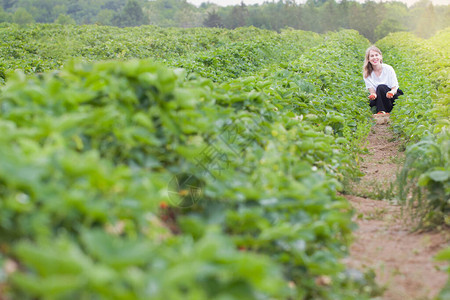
{"points": [[214, 53], [94, 158], [422, 117]]}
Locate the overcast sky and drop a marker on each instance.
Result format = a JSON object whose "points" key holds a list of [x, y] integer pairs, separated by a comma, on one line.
{"points": [[249, 2]]}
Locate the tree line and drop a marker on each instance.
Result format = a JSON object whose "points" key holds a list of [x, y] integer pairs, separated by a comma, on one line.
{"points": [[372, 19]]}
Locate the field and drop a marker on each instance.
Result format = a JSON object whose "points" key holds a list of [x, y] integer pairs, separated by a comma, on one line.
{"points": [[149, 163]]}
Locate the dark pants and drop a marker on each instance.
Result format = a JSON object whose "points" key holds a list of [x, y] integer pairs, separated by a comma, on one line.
{"points": [[382, 102]]}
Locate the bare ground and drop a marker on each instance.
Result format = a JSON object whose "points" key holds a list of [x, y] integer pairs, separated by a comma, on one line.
{"points": [[402, 260]]}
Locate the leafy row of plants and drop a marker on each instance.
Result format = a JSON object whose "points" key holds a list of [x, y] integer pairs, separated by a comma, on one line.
{"points": [[422, 117], [42, 47], [96, 157]]}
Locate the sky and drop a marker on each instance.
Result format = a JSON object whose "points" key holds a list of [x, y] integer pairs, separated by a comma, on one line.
{"points": [[250, 2]]}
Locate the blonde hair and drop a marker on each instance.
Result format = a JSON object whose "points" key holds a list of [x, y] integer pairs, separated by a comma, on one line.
{"points": [[367, 67]]}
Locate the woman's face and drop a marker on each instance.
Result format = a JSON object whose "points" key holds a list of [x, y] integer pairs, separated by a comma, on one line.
{"points": [[375, 58]]}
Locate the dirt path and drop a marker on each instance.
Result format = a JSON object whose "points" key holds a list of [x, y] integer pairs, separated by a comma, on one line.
{"points": [[402, 260]]}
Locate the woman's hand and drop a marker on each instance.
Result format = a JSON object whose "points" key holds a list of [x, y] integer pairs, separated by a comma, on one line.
{"points": [[390, 94], [372, 96]]}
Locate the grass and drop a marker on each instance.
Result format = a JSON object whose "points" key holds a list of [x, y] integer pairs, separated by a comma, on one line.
{"points": [[376, 191]]}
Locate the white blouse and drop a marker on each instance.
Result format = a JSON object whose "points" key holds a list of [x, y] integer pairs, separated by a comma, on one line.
{"points": [[387, 77]]}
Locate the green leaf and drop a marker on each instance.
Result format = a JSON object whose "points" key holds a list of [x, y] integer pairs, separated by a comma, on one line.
{"points": [[443, 255], [439, 175], [49, 287]]}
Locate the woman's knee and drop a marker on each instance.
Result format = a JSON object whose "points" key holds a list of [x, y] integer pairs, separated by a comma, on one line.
{"points": [[383, 88]]}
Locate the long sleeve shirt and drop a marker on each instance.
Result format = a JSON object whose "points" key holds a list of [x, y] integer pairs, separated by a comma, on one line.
{"points": [[387, 77]]}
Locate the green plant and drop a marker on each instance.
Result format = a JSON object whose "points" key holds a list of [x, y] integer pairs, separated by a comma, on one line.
{"points": [[422, 118], [89, 153]]}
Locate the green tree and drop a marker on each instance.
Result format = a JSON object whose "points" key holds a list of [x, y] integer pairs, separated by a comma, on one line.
{"points": [[7, 4], [387, 26], [114, 5], [397, 11], [344, 13], [257, 17], [58, 10], [213, 20], [42, 11], [310, 16], [131, 15], [22, 16], [4, 16], [366, 17], [316, 2], [64, 19], [426, 24], [167, 13], [238, 16], [105, 17], [328, 14], [188, 18], [86, 11]]}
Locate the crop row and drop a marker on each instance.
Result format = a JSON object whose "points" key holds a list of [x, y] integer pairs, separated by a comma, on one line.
{"points": [[422, 118], [132, 180], [218, 54]]}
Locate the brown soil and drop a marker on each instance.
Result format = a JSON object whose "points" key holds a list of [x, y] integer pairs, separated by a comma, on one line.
{"points": [[402, 260]]}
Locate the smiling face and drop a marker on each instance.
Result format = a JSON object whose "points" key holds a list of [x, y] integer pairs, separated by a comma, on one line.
{"points": [[372, 60], [375, 58]]}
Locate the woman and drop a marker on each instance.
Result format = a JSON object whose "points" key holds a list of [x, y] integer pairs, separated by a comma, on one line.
{"points": [[380, 80]]}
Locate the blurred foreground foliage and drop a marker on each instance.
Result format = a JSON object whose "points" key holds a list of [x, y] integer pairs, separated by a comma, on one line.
{"points": [[93, 158]]}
